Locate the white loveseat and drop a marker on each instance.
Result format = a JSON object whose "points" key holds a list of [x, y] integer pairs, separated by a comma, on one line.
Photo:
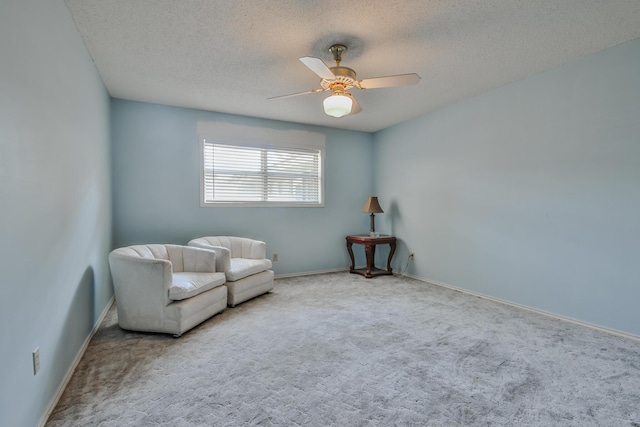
{"points": [[166, 288], [244, 262]]}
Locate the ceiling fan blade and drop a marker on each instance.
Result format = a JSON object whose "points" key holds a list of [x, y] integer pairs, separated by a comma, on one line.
{"points": [[390, 81], [317, 66], [298, 93]]}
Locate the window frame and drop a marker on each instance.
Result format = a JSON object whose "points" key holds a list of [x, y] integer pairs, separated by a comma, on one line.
{"points": [[294, 145]]}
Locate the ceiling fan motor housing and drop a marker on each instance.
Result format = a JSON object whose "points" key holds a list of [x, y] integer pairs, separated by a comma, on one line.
{"points": [[344, 72]]}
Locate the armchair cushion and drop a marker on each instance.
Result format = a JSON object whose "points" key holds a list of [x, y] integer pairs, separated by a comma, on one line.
{"points": [[243, 267], [188, 284]]}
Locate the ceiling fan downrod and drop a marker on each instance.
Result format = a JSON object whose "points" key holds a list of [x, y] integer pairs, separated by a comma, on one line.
{"points": [[337, 50]]}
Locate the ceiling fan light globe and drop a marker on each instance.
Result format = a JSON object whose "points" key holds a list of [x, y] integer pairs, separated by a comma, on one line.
{"points": [[337, 105]]}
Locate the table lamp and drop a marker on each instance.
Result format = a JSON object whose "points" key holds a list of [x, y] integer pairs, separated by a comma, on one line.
{"points": [[373, 207]]}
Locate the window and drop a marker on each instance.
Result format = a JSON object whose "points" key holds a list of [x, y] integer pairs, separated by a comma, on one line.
{"points": [[249, 174]]}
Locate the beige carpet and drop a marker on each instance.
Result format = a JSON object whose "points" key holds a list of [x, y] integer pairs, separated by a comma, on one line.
{"points": [[341, 350]]}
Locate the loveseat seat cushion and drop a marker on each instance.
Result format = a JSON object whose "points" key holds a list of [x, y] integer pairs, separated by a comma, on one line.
{"points": [[243, 267], [188, 284]]}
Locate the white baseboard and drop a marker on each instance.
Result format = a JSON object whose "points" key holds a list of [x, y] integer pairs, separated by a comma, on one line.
{"points": [[56, 397], [524, 307], [311, 273]]}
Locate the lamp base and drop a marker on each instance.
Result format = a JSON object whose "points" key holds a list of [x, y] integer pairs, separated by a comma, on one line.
{"points": [[372, 226]]}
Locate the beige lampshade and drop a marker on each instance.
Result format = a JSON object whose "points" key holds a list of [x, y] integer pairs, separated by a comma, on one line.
{"points": [[372, 206]]}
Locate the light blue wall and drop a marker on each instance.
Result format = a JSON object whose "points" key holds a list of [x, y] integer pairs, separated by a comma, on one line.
{"points": [[55, 219], [529, 193], [156, 189]]}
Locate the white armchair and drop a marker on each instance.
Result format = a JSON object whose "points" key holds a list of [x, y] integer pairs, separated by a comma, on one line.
{"points": [[244, 262], [166, 288]]}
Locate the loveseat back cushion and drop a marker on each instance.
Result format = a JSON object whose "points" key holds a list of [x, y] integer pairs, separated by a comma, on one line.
{"points": [[189, 284], [242, 267]]}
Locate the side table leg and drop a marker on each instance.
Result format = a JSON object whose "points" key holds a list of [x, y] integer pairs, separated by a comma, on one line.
{"points": [[391, 252], [350, 250], [370, 251]]}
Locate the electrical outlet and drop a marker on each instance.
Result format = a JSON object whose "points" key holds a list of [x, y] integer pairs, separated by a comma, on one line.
{"points": [[412, 256], [36, 360], [274, 257]]}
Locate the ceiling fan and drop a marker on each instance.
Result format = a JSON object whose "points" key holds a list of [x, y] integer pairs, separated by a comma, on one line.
{"points": [[339, 80]]}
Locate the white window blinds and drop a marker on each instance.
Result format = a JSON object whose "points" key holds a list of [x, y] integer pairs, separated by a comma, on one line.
{"points": [[263, 175]]}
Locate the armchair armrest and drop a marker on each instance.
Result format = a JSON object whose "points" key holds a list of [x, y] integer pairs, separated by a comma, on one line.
{"points": [[222, 254], [257, 250], [142, 284], [193, 259]]}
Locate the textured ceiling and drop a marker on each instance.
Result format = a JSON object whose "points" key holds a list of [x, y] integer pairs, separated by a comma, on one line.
{"points": [[230, 56]]}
